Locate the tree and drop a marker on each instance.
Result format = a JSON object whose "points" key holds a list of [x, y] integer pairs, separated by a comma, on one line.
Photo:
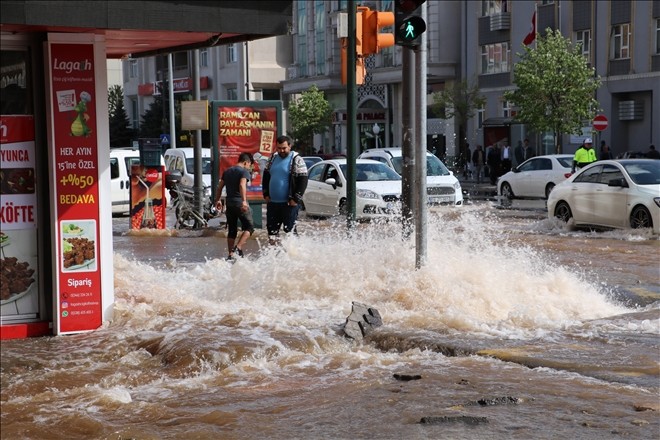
{"points": [[459, 101], [310, 114], [154, 121], [121, 134], [555, 87]]}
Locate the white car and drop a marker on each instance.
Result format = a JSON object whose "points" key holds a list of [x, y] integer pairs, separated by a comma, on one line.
{"points": [[183, 161], [536, 177], [442, 187], [378, 189], [621, 193]]}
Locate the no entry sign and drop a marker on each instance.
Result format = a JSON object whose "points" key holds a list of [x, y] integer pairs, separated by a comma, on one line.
{"points": [[600, 122]]}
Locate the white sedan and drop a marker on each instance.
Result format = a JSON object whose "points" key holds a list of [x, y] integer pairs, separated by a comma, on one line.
{"points": [[536, 177], [621, 193], [378, 189]]}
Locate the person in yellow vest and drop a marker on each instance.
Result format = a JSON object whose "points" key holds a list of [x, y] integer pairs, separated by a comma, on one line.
{"points": [[584, 155]]}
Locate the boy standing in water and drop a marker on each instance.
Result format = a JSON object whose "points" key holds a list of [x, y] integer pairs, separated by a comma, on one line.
{"points": [[235, 179]]}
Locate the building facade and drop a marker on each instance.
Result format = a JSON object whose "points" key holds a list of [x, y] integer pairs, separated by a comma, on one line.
{"points": [[252, 70], [620, 39]]}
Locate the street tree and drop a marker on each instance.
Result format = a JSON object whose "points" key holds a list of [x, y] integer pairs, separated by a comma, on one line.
{"points": [[555, 87], [460, 101], [154, 120], [121, 134], [309, 114]]}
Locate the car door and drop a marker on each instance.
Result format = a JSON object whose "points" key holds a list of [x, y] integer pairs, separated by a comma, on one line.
{"points": [[584, 192], [119, 185], [330, 195], [312, 196], [610, 202], [522, 182]]}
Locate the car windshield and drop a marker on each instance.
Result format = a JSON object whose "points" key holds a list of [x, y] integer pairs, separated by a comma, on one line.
{"points": [[434, 167], [372, 172], [206, 165], [644, 172]]}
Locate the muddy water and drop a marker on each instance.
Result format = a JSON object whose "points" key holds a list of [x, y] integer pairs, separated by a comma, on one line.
{"points": [[518, 327]]}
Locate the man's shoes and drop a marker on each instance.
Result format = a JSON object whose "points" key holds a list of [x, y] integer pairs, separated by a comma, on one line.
{"points": [[237, 251]]}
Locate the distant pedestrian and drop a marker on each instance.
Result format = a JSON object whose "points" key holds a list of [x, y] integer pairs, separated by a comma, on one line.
{"points": [[584, 155], [506, 159], [284, 183], [478, 162], [494, 163], [653, 153], [605, 153], [237, 206]]}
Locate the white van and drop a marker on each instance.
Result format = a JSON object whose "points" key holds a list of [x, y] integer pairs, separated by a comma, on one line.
{"points": [[121, 160], [183, 161]]}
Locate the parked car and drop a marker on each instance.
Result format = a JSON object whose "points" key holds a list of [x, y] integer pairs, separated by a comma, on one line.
{"points": [[378, 189], [183, 160], [121, 160], [442, 187], [311, 160], [535, 177], [622, 193]]}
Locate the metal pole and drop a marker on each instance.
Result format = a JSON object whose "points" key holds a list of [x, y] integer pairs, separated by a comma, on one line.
{"points": [[421, 207], [170, 80], [351, 110], [408, 141], [199, 183]]}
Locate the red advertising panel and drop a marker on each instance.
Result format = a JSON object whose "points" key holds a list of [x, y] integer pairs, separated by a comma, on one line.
{"points": [[19, 292], [76, 192], [147, 197], [247, 129]]}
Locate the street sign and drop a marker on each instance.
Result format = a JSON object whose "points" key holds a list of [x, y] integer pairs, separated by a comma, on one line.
{"points": [[600, 122]]}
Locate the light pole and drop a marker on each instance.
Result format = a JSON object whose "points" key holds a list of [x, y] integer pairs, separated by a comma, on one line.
{"points": [[376, 130]]}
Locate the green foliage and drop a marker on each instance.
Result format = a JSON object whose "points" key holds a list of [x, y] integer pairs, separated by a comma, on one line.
{"points": [[460, 101], [310, 114], [154, 121], [555, 86], [121, 134]]}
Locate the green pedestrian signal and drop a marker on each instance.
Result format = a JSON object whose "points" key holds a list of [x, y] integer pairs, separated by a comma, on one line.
{"points": [[409, 25]]}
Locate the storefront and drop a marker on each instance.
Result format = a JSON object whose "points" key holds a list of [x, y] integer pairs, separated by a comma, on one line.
{"points": [[55, 201]]}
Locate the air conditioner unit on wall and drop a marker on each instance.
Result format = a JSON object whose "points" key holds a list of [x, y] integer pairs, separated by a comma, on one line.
{"points": [[500, 22], [631, 110]]}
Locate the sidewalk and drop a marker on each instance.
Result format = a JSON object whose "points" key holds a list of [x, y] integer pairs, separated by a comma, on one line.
{"points": [[477, 191]]}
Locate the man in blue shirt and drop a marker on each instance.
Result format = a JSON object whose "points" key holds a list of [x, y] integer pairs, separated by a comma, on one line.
{"points": [[237, 206], [284, 183]]}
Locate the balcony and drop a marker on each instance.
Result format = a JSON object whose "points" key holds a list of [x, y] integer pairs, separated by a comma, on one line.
{"points": [[500, 22]]}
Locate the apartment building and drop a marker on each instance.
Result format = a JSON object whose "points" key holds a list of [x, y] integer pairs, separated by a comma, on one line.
{"points": [[620, 39], [243, 71]]}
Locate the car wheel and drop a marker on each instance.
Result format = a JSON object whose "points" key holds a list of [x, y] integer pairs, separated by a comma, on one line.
{"points": [[343, 207], [548, 189], [563, 212], [507, 191], [640, 218]]}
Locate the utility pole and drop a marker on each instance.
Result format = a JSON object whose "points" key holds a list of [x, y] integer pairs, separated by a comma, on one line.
{"points": [[351, 110], [421, 206]]}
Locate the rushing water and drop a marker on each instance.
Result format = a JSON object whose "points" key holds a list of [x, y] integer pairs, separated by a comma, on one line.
{"points": [[518, 327]]}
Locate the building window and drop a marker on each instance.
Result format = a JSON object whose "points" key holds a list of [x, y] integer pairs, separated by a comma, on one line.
{"points": [[133, 69], [232, 57], [620, 44], [232, 94], [319, 34], [135, 114], [493, 7], [481, 112], [180, 60], [204, 57], [583, 38], [271, 94], [508, 110], [495, 58], [657, 36], [547, 2], [301, 38]]}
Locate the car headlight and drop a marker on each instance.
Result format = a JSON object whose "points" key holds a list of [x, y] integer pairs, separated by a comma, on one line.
{"points": [[366, 194], [657, 201], [457, 186]]}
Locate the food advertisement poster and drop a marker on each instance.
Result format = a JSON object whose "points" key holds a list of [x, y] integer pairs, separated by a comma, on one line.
{"points": [[245, 127], [19, 291], [76, 191]]}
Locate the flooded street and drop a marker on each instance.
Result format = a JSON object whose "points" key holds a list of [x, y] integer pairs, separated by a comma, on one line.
{"points": [[516, 328]]}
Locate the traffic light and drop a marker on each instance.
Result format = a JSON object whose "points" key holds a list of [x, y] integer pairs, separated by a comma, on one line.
{"points": [[360, 71], [409, 24], [372, 21]]}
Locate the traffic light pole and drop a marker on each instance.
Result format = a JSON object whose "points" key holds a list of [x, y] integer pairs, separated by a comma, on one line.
{"points": [[421, 206], [351, 110], [408, 139]]}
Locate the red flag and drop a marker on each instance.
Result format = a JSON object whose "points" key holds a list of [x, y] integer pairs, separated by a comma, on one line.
{"points": [[529, 39]]}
